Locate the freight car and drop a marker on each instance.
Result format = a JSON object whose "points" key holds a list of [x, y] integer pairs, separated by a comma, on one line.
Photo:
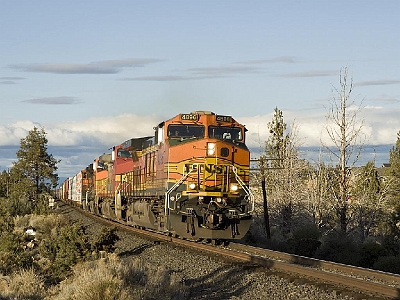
{"points": [[191, 179], [77, 188]]}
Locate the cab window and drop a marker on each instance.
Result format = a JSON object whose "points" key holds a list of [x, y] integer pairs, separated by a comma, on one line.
{"points": [[185, 131], [123, 153], [225, 133]]}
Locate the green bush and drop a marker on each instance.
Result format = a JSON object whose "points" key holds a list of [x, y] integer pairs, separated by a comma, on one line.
{"points": [[388, 264], [305, 240], [340, 248], [17, 206], [65, 248], [106, 240], [12, 255], [370, 253], [391, 243]]}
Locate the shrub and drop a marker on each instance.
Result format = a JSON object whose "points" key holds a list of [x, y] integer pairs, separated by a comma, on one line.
{"points": [[65, 249], [12, 254], [25, 284], [388, 264], [118, 279], [41, 207], [305, 240], [256, 234], [370, 253], [338, 247], [391, 244], [106, 240], [18, 205], [6, 224]]}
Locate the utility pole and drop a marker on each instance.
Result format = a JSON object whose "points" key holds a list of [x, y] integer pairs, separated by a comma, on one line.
{"points": [[264, 166]]}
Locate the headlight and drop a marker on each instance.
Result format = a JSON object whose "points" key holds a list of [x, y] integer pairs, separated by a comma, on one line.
{"points": [[210, 148], [192, 186], [234, 187]]}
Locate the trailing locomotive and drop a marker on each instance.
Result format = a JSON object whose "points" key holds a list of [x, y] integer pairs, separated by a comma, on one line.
{"points": [[190, 179]]}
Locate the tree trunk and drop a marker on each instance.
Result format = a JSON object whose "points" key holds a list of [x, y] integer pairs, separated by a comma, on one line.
{"points": [[266, 215]]}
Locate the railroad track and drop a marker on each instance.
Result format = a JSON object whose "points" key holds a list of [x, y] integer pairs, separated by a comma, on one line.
{"points": [[365, 281]]}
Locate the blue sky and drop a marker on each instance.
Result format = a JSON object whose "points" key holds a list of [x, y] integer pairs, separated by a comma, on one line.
{"points": [[95, 73]]}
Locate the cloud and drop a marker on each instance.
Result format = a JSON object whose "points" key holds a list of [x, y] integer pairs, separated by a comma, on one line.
{"points": [[106, 131], [377, 82], [201, 73], [157, 78], [225, 70], [381, 126], [99, 67], [309, 74], [281, 59], [10, 80], [53, 100], [11, 135]]}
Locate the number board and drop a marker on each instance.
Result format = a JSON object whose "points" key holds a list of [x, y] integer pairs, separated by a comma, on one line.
{"points": [[189, 117], [223, 119]]}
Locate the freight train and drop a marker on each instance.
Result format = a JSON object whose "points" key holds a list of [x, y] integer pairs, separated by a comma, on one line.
{"points": [[190, 179]]}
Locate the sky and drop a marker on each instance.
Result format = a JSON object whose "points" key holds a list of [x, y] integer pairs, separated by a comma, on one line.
{"points": [[96, 73]]}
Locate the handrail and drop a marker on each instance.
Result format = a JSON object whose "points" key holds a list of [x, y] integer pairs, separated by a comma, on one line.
{"points": [[167, 193], [245, 188]]}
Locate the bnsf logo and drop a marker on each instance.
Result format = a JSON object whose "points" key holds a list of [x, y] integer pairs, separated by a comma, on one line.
{"points": [[210, 168]]}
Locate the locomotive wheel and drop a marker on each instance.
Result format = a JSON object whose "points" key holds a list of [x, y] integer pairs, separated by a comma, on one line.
{"points": [[215, 242]]}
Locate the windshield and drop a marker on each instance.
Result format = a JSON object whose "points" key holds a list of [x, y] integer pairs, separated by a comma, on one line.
{"points": [[185, 131], [123, 153], [225, 133]]}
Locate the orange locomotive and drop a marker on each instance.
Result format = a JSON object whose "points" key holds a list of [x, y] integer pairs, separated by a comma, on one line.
{"points": [[190, 179]]}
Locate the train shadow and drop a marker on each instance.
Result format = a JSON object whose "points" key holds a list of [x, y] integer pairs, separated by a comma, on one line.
{"points": [[223, 283], [135, 251]]}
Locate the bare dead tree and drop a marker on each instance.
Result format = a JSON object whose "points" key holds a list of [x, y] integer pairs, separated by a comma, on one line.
{"points": [[348, 140]]}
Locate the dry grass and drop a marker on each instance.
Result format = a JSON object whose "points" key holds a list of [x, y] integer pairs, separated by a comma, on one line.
{"points": [[25, 285], [117, 279]]}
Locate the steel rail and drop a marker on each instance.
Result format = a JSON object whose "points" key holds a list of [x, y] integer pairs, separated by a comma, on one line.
{"points": [[312, 262]]}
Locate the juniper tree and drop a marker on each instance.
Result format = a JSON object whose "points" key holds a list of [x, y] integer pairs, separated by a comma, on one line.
{"points": [[4, 183], [34, 171], [369, 200], [393, 179], [394, 169], [284, 172]]}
